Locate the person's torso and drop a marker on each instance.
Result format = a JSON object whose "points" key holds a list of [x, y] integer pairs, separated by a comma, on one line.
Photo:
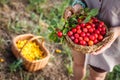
{"points": [[109, 10]]}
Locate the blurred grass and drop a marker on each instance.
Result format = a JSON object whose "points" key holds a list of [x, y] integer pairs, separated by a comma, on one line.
{"points": [[42, 16], [4, 1], [115, 74]]}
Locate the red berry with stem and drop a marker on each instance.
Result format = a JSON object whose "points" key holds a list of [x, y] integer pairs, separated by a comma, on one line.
{"points": [[72, 37], [79, 31], [95, 41], [90, 30], [101, 23], [82, 34], [70, 33], [85, 30], [86, 38], [74, 30], [80, 38], [88, 26], [100, 37], [76, 35], [82, 42], [60, 34], [103, 33], [97, 31], [82, 25], [76, 41], [92, 37], [87, 34], [78, 27], [90, 43]]}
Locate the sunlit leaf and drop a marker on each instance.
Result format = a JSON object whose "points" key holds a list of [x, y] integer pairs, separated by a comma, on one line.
{"points": [[65, 31]]}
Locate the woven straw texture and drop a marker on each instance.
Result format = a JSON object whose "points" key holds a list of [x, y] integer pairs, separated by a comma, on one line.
{"points": [[30, 65], [89, 49]]}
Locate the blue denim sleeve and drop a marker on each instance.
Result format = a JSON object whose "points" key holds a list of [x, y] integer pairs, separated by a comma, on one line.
{"points": [[79, 2]]}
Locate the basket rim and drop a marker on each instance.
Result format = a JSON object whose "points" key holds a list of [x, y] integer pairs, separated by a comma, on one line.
{"points": [[108, 37]]}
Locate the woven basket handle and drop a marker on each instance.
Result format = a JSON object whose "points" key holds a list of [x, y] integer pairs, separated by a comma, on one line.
{"points": [[36, 37], [31, 39]]}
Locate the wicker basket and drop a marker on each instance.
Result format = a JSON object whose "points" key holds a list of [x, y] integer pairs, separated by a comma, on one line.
{"points": [[89, 49], [31, 65]]}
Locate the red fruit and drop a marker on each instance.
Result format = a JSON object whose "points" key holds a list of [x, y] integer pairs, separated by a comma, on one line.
{"points": [[95, 41], [59, 33], [70, 33], [86, 38], [103, 33], [96, 35], [91, 21], [82, 34], [97, 31], [101, 23], [78, 27], [92, 37], [90, 30], [100, 37], [90, 43], [93, 25], [79, 31], [79, 20], [76, 41], [85, 30], [76, 35], [88, 34], [99, 28], [72, 37], [82, 25], [82, 42], [88, 26], [80, 38], [103, 28], [95, 20], [74, 30], [93, 28]]}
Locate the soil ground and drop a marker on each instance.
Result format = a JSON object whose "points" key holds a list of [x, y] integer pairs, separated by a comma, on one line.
{"points": [[55, 69]]}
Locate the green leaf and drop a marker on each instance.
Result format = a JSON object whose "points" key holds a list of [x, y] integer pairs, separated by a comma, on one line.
{"points": [[51, 29], [93, 12], [86, 9], [56, 39], [52, 35], [81, 17], [87, 19], [13, 67], [54, 22], [65, 30]]}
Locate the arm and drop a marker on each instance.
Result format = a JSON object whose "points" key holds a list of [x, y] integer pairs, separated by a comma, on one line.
{"points": [[116, 30]]}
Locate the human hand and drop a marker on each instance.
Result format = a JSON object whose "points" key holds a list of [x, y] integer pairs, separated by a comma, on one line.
{"points": [[71, 10], [68, 12], [116, 33]]}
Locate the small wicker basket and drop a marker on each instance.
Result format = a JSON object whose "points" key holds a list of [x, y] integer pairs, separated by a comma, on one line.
{"points": [[89, 49], [31, 65]]}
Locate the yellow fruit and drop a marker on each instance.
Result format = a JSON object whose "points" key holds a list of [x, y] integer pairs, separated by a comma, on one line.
{"points": [[58, 51], [2, 60], [30, 51]]}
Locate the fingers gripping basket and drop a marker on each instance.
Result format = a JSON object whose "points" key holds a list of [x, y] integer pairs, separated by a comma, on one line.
{"points": [[31, 65], [89, 49]]}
